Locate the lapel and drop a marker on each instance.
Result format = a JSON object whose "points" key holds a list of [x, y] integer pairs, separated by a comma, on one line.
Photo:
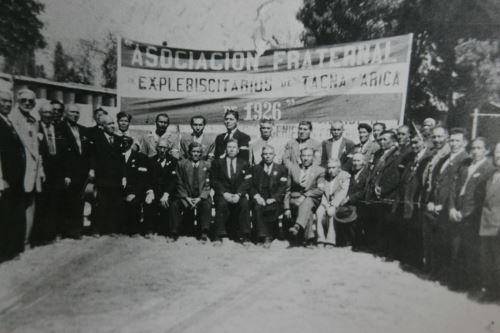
{"points": [[341, 148], [27, 140], [492, 190], [69, 134]]}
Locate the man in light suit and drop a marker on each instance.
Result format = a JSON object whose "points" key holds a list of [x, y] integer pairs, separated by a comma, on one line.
{"points": [[150, 140], [192, 198], [266, 138], [207, 141], [304, 195], [466, 202], [231, 122], [489, 232], [231, 180], [337, 147], [12, 166], [335, 191], [26, 124], [292, 155], [269, 185], [367, 146]]}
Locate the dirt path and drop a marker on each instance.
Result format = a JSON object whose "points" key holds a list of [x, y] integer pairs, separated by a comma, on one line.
{"points": [[139, 285]]}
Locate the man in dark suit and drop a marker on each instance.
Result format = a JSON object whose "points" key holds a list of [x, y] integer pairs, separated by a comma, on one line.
{"points": [[231, 180], [231, 122], [436, 232], [48, 215], [137, 181], [162, 185], [269, 185], [109, 169], [192, 197], [94, 131], [12, 168], [489, 233], [404, 136], [207, 141], [383, 185], [409, 199], [75, 157], [337, 147], [467, 196], [304, 195]]}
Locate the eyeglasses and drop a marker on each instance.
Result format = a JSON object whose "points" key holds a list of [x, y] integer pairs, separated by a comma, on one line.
{"points": [[27, 100]]}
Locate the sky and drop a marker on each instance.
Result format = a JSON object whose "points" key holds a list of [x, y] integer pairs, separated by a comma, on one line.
{"points": [[196, 24]]}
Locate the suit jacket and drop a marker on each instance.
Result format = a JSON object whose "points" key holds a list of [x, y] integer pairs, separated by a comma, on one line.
{"points": [[108, 162], [368, 150], [75, 162], [207, 142], [238, 184], [346, 148], [51, 163], [471, 202], [291, 154], [185, 185], [357, 186], [335, 190], [278, 182], [149, 141], [28, 133], [411, 184], [490, 215], [443, 182], [137, 174], [243, 144], [163, 179], [385, 174], [313, 187], [12, 154]]}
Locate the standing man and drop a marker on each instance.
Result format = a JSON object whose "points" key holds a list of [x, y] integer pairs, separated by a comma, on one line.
{"points": [[26, 125], [95, 130], [428, 126], [292, 155], [467, 196], [436, 223], [108, 166], [266, 139], [58, 109], [489, 232], [163, 181], [367, 146], [304, 195], [337, 147], [123, 121], [231, 122], [12, 168], [192, 195], [335, 191], [137, 181], [269, 185], [149, 141], [48, 214], [231, 180], [75, 157], [382, 188], [207, 141], [404, 136], [378, 128]]}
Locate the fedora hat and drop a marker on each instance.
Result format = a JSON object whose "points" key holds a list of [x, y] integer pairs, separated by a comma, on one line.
{"points": [[346, 214]]}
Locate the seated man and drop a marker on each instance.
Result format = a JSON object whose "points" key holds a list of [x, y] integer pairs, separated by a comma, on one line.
{"points": [[136, 171], [231, 180], [304, 195], [163, 178], [268, 190], [193, 193], [335, 191]]}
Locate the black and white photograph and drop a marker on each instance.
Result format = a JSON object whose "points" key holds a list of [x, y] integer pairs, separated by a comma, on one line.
{"points": [[249, 166]]}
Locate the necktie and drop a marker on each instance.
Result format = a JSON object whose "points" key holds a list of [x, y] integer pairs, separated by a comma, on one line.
{"points": [[232, 171], [51, 140], [196, 182], [111, 140]]}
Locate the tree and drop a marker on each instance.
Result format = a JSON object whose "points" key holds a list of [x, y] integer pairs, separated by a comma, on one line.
{"points": [[20, 34], [110, 63], [60, 64]]}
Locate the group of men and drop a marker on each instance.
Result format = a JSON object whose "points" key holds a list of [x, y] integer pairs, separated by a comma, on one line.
{"points": [[414, 195]]}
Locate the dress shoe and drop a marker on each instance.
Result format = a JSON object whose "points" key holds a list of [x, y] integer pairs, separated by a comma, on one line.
{"points": [[203, 238], [267, 243]]}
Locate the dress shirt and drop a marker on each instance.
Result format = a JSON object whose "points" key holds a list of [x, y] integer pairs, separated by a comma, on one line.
{"points": [[127, 154], [76, 134], [228, 163], [268, 168], [335, 148]]}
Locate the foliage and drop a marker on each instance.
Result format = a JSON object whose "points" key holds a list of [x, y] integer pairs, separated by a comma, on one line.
{"points": [[20, 34], [110, 63]]}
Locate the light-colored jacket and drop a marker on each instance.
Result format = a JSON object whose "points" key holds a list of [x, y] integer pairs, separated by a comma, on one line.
{"points": [[335, 190], [490, 217]]}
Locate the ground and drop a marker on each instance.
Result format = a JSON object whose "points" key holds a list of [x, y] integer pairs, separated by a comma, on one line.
{"points": [[146, 285]]}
